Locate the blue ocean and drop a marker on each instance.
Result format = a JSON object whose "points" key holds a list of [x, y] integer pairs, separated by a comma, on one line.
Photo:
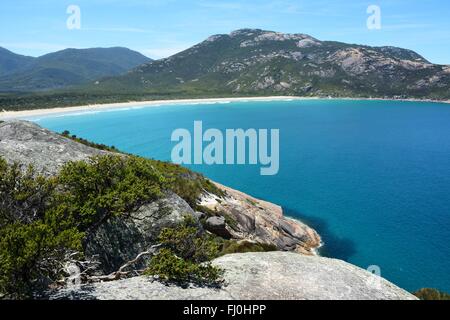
{"points": [[373, 177]]}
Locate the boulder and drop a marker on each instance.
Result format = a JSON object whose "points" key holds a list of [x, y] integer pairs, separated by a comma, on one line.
{"points": [[28, 144], [258, 276], [217, 226], [121, 239], [199, 215]]}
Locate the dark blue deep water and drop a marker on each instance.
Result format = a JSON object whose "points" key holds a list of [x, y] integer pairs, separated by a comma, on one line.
{"points": [[373, 177]]}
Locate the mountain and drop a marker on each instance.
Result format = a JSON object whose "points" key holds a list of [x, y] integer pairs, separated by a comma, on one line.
{"points": [[11, 62], [258, 62], [65, 68]]}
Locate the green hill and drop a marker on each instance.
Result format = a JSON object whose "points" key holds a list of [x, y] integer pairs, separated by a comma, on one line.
{"points": [[67, 67], [11, 62]]}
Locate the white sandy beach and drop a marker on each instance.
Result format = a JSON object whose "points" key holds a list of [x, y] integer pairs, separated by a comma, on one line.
{"points": [[25, 114], [10, 115]]}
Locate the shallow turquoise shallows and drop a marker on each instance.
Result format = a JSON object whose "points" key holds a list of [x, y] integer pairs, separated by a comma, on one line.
{"points": [[373, 177]]}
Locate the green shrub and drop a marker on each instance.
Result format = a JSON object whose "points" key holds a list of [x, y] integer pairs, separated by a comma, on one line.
{"points": [[107, 186], [431, 294], [209, 212], [103, 147], [31, 256], [230, 220], [185, 256], [24, 196], [185, 183], [232, 246], [43, 219], [187, 242], [169, 267], [32, 240]]}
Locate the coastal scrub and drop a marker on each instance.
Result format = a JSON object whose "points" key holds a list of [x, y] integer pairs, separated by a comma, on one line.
{"points": [[44, 220], [186, 255]]}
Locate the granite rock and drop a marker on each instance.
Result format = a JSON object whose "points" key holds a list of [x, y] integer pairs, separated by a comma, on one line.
{"points": [[257, 276]]}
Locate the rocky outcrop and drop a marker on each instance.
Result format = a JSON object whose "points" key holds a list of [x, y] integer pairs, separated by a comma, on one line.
{"points": [[261, 221], [28, 144], [258, 276]]}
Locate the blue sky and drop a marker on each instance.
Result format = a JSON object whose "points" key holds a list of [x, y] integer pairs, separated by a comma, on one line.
{"points": [[159, 28]]}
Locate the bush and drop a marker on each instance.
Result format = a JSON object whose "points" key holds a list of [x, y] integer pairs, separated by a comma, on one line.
{"points": [[185, 183], [185, 256], [106, 186], [169, 267], [232, 246], [24, 197], [431, 294], [31, 256], [43, 219], [103, 147]]}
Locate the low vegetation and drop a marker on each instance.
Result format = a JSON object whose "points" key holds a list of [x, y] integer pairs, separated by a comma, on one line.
{"points": [[43, 220], [20, 101], [431, 294], [185, 183], [233, 246], [106, 186], [33, 238], [103, 147], [186, 255], [187, 252]]}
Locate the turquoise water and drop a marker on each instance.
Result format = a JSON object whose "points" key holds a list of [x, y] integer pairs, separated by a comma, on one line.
{"points": [[373, 177]]}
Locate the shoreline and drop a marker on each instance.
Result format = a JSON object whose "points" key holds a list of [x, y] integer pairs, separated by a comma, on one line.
{"points": [[10, 115], [276, 213], [14, 115], [315, 251]]}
